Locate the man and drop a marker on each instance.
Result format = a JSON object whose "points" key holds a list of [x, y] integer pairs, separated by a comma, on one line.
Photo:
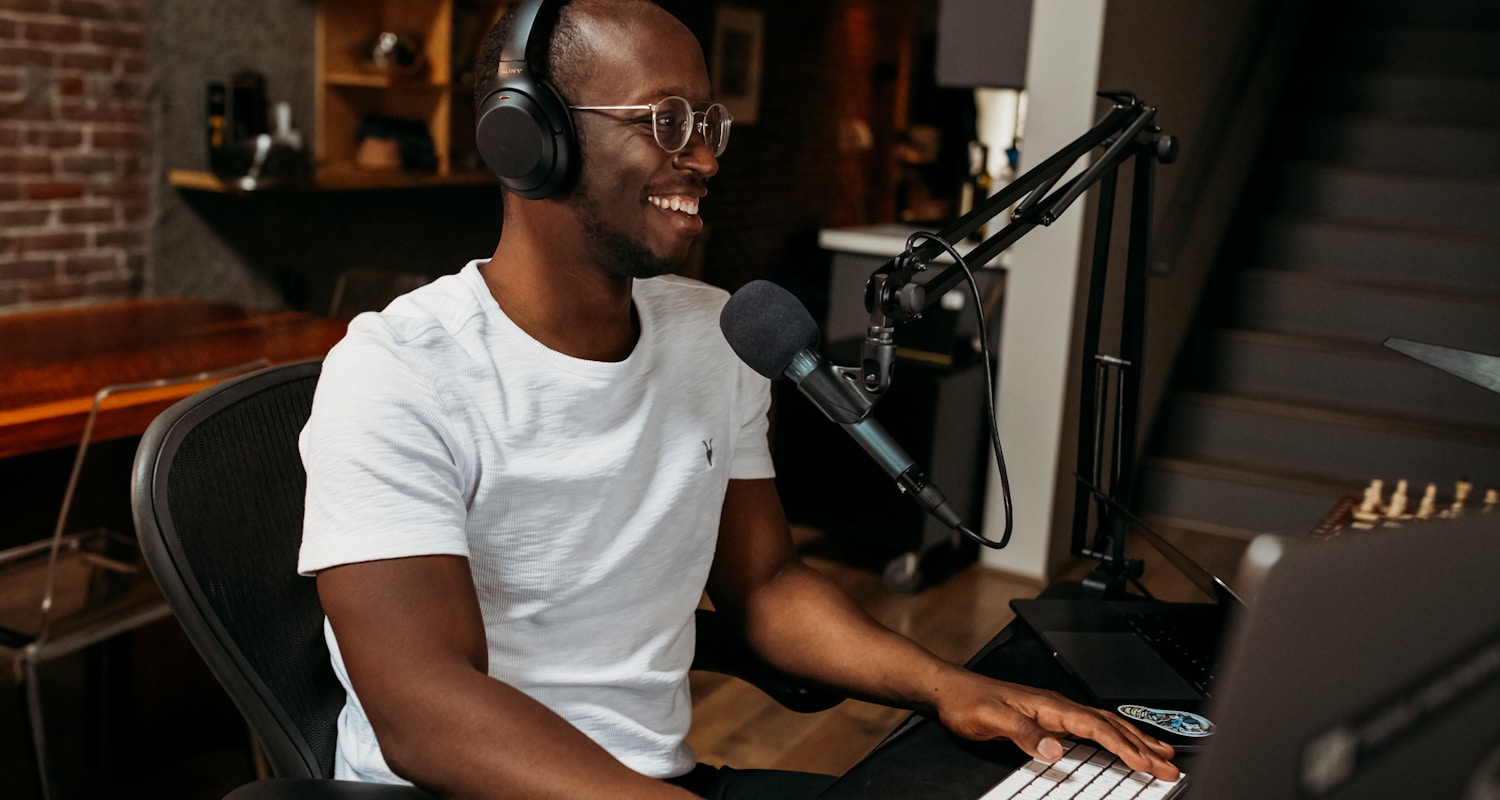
{"points": [[522, 477]]}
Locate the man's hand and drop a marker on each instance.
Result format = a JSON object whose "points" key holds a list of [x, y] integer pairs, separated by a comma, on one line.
{"points": [[979, 708]]}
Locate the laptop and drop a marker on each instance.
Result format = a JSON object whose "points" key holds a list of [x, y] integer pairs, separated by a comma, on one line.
{"points": [[1366, 667], [1369, 667], [1152, 662]]}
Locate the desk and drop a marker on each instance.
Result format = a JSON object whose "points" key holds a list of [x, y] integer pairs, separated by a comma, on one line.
{"points": [[921, 760], [54, 361]]}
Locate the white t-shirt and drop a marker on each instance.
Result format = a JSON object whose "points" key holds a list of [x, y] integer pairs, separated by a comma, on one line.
{"points": [[586, 495]]}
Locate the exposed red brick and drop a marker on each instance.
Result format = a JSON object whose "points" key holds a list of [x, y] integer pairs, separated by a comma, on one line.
{"points": [[69, 86], [52, 33], [30, 269], [7, 29], [120, 238], [116, 139], [124, 189], [87, 164], [34, 6], [134, 212], [88, 62], [26, 163], [54, 137], [10, 82], [86, 214], [107, 287], [76, 112], [26, 57], [48, 242], [10, 190], [55, 290], [89, 263], [54, 190], [114, 36], [88, 9], [24, 217]]}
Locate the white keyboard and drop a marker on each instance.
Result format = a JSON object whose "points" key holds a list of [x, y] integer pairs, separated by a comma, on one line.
{"points": [[1084, 771]]}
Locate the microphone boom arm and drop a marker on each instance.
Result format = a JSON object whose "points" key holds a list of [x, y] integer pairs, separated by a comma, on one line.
{"points": [[892, 293]]}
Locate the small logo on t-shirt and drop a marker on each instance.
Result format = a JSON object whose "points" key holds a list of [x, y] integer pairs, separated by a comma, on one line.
{"points": [[708, 450]]}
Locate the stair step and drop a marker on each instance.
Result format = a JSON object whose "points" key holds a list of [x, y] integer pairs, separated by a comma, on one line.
{"points": [[1419, 259], [1340, 374], [1420, 50], [1403, 148], [1235, 499], [1459, 205], [1327, 307], [1336, 444], [1414, 97]]}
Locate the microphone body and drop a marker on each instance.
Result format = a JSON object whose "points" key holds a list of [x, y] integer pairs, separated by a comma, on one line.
{"points": [[771, 331]]}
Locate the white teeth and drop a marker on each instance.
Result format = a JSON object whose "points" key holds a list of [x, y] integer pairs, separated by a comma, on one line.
{"points": [[686, 205]]}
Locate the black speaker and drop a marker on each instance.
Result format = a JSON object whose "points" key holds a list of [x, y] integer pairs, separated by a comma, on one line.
{"points": [[524, 131]]}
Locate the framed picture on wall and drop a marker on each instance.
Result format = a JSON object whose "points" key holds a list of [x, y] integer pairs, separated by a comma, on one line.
{"points": [[736, 62]]}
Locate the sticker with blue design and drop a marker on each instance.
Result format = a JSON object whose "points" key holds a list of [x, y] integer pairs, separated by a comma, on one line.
{"points": [[1182, 723]]}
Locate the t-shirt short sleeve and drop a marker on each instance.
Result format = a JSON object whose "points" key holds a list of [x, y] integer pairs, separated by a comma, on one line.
{"points": [[383, 478]]}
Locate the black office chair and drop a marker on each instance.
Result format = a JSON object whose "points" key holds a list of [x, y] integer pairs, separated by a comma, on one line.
{"points": [[217, 495]]}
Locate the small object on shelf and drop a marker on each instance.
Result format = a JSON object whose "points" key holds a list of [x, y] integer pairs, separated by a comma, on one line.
{"points": [[216, 126], [395, 54], [409, 140]]}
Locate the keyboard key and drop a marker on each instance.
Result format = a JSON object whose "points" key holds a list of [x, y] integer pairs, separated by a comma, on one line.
{"points": [[1085, 773]]}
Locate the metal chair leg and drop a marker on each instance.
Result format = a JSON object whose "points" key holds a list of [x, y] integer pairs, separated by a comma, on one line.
{"points": [[38, 732]]}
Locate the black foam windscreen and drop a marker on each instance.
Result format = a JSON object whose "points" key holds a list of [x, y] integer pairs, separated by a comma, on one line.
{"points": [[767, 326]]}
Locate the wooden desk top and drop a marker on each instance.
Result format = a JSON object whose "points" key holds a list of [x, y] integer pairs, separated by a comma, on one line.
{"points": [[53, 362]]}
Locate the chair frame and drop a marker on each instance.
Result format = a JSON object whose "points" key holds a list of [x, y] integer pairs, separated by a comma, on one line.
{"points": [[30, 652]]}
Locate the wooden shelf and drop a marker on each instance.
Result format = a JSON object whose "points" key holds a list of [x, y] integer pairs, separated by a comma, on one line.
{"points": [[332, 178], [376, 80], [346, 92]]}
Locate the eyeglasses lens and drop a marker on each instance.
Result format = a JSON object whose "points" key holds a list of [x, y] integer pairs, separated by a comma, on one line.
{"points": [[672, 123]]}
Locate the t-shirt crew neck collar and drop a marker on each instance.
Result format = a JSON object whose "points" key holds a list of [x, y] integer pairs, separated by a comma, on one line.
{"points": [[507, 327]]}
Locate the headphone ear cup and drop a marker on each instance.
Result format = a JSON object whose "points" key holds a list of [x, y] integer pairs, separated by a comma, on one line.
{"points": [[525, 135]]}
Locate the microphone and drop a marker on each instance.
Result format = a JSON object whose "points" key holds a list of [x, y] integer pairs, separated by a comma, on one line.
{"points": [[772, 332]]}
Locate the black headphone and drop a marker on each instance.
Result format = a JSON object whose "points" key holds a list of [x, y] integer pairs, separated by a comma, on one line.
{"points": [[523, 129]]}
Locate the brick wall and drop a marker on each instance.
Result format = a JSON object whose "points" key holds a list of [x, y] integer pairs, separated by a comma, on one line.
{"points": [[74, 202]]}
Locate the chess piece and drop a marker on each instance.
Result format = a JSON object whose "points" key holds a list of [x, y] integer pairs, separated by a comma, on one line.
{"points": [[1373, 506], [1491, 499], [1427, 508], [1460, 497], [1397, 509]]}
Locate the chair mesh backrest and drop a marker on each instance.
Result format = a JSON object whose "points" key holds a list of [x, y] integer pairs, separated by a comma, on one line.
{"points": [[226, 488]]}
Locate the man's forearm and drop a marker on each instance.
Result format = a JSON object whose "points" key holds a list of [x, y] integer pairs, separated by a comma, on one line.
{"points": [[480, 738], [803, 624]]}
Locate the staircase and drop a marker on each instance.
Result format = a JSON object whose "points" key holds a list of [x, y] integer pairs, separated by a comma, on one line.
{"points": [[1379, 217]]}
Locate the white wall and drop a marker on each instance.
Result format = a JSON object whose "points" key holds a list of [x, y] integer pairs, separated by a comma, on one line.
{"points": [[1036, 338]]}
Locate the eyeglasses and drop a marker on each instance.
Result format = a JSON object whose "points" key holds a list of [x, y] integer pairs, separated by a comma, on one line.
{"points": [[673, 121]]}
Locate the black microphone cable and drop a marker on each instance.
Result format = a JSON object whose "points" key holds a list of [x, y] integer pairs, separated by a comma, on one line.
{"points": [[989, 388]]}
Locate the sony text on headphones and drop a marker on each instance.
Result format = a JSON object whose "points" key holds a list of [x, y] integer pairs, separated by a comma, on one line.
{"points": [[524, 131]]}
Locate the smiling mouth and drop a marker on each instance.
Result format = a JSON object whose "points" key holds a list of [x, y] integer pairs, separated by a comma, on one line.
{"points": [[676, 202]]}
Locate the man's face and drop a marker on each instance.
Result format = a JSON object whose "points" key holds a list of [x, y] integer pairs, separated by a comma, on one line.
{"points": [[628, 184]]}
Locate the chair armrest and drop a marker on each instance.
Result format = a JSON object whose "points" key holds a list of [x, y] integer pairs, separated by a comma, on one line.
{"points": [[324, 789], [721, 650]]}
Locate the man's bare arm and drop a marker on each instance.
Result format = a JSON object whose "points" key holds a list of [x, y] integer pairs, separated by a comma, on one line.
{"points": [[805, 625], [413, 643]]}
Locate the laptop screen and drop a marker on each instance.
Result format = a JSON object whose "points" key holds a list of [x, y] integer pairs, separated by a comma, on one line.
{"points": [[1367, 667]]}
